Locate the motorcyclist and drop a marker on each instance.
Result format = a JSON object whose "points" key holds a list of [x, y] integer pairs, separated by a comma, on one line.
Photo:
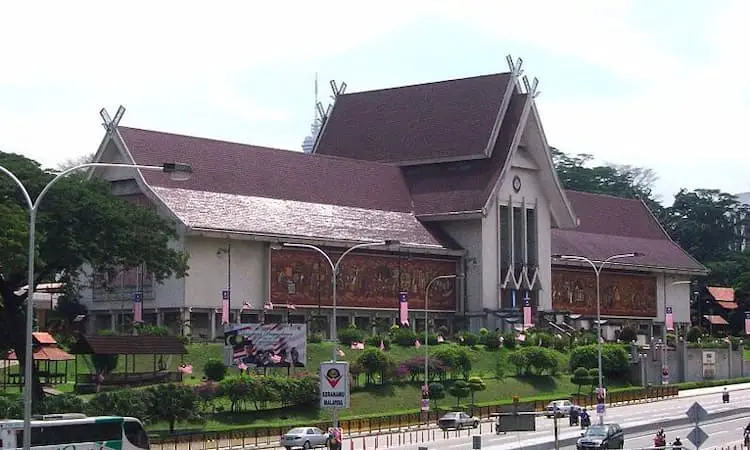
{"points": [[677, 444], [660, 440], [574, 416], [585, 419]]}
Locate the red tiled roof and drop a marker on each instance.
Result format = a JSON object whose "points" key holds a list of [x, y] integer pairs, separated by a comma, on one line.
{"points": [[465, 185], [248, 170], [44, 338], [721, 294], [46, 353], [613, 225], [715, 320], [728, 305], [615, 216], [450, 119]]}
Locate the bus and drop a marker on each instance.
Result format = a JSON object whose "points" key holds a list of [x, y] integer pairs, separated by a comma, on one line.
{"points": [[76, 432]]}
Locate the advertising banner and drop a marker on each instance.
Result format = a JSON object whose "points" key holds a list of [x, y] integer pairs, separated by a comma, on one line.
{"points": [[266, 345]]}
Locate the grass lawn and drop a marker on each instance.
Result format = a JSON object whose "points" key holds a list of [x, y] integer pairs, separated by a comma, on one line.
{"points": [[365, 401]]}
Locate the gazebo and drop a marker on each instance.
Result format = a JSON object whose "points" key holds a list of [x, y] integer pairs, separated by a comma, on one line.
{"points": [[47, 358], [129, 347]]}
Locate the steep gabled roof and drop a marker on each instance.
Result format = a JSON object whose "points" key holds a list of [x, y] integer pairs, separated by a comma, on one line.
{"points": [[425, 123], [247, 170], [611, 225], [463, 186]]}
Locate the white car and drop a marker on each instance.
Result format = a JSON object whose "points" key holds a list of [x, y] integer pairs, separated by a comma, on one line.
{"points": [[304, 437], [563, 407]]}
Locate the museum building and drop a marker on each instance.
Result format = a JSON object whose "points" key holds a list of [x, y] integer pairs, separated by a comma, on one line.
{"points": [[458, 172]]}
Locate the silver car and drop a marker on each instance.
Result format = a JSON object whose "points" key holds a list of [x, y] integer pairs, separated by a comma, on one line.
{"points": [[304, 437], [563, 407], [457, 420]]}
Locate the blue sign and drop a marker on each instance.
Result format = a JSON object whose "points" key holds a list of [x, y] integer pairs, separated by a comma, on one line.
{"points": [[600, 408], [225, 294], [138, 297], [403, 297]]}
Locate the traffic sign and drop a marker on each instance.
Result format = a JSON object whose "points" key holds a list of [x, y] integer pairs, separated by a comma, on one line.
{"points": [[697, 413], [697, 436], [600, 408], [334, 385]]}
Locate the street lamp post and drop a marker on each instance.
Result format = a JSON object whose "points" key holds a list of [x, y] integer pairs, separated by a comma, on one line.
{"points": [[335, 271], [427, 328], [178, 171], [598, 270]]}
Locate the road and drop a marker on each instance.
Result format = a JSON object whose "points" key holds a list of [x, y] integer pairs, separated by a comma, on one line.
{"points": [[627, 416]]}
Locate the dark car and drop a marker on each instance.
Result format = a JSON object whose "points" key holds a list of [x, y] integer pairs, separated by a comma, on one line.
{"points": [[457, 420], [609, 435]]}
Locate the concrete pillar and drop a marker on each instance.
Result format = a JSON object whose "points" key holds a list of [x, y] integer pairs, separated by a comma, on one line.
{"points": [[159, 318], [113, 321], [212, 323], [185, 318]]}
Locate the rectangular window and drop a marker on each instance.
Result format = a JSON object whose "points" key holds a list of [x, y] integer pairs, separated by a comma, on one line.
{"points": [[272, 318], [505, 236], [531, 237], [519, 236], [71, 434], [297, 318]]}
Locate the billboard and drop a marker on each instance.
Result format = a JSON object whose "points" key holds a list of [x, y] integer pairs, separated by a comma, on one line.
{"points": [[266, 345]]}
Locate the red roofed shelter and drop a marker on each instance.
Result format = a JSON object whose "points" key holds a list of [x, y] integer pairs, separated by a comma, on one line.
{"points": [[48, 357]]}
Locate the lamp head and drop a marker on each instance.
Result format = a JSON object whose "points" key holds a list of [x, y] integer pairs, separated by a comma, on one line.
{"points": [[391, 242], [178, 171], [276, 246]]}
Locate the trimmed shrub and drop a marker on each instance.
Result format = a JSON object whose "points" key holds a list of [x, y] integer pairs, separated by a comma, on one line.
{"points": [[404, 337], [347, 336], [215, 370]]}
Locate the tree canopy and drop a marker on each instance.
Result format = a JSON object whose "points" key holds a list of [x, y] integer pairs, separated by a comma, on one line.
{"points": [[79, 223]]}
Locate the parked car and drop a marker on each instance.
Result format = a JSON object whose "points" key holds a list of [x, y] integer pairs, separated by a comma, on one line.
{"points": [[602, 436], [563, 408], [304, 437], [457, 420]]}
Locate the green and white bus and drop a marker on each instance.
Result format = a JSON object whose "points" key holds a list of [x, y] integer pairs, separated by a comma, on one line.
{"points": [[76, 432]]}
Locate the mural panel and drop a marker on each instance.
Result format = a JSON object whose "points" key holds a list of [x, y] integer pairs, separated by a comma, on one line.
{"points": [[303, 277], [574, 291]]}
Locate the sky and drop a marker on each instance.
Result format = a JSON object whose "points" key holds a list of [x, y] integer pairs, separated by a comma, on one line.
{"points": [[663, 85]]}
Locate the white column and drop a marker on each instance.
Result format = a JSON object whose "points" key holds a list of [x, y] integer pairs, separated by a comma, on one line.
{"points": [[159, 317], [185, 317], [212, 323], [113, 321]]}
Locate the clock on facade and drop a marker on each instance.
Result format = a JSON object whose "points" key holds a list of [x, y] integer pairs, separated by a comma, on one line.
{"points": [[516, 183]]}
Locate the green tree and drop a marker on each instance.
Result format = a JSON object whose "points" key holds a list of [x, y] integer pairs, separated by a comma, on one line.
{"points": [[707, 223], [580, 377], [79, 223], [173, 403], [459, 389], [614, 359], [577, 173], [476, 384], [437, 392], [373, 361]]}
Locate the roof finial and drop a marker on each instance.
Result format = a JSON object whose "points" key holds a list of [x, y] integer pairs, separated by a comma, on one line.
{"points": [[109, 123], [531, 88], [515, 67]]}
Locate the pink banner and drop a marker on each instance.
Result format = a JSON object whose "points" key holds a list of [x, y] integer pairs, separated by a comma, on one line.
{"points": [[403, 301], [669, 318], [225, 311], [527, 323], [747, 322], [138, 312]]}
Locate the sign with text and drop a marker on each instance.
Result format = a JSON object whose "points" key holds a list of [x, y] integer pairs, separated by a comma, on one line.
{"points": [[266, 345], [334, 385]]}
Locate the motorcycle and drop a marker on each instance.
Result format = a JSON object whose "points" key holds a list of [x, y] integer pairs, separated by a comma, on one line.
{"points": [[677, 444], [585, 420], [725, 397], [660, 441]]}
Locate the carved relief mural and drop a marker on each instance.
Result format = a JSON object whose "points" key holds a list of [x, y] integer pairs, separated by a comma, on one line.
{"points": [[574, 291], [302, 277]]}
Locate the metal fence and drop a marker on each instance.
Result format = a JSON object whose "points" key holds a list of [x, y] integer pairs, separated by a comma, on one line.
{"points": [[267, 436]]}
